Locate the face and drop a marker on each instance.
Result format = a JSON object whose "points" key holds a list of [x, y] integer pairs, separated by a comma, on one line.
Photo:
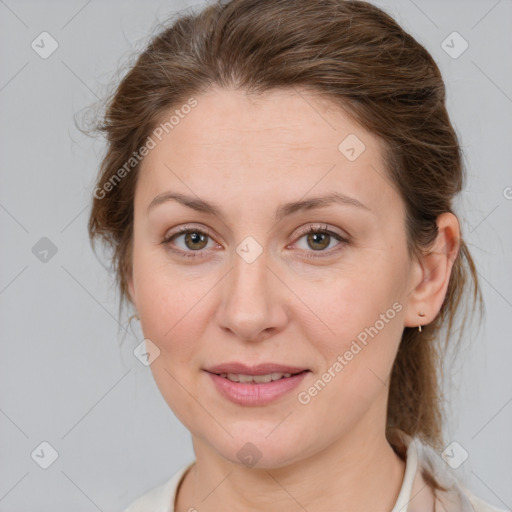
{"points": [[249, 283]]}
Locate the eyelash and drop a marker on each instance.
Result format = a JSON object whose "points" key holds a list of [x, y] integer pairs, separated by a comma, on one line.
{"points": [[200, 253]]}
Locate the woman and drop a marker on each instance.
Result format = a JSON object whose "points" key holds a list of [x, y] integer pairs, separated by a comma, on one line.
{"points": [[278, 193]]}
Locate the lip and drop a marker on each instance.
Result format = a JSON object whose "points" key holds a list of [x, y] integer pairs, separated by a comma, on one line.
{"points": [[253, 393], [259, 369]]}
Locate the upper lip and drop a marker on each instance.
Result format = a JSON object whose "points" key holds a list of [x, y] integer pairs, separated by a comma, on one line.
{"points": [[259, 369]]}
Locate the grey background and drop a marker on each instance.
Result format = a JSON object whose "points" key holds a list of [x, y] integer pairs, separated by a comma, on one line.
{"points": [[65, 380]]}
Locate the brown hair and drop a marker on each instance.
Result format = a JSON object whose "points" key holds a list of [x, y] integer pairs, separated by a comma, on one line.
{"points": [[351, 53]]}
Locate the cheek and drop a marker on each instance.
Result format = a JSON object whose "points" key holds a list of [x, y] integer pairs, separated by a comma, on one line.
{"points": [[358, 358], [170, 307], [358, 319], [343, 303], [169, 310], [171, 302]]}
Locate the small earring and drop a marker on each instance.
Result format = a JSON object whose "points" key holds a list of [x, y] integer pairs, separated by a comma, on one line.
{"points": [[422, 315]]}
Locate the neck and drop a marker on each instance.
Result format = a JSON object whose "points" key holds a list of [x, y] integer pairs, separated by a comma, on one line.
{"points": [[358, 472]]}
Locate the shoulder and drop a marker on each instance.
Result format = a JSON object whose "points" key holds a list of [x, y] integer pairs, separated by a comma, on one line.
{"points": [[478, 504], [454, 496], [160, 498]]}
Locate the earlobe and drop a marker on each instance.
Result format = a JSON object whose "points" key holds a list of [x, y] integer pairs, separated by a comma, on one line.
{"points": [[432, 273]]}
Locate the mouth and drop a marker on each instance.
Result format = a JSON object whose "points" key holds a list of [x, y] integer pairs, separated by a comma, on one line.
{"points": [[262, 369], [256, 385], [258, 379]]}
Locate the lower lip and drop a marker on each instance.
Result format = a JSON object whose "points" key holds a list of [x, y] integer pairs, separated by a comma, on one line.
{"points": [[253, 393]]}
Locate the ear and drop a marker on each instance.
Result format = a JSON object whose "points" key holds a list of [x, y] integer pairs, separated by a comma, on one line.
{"points": [[431, 273]]}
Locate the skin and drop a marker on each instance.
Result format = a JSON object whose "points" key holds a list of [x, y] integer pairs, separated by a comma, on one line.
{"points": [[248, 155]]}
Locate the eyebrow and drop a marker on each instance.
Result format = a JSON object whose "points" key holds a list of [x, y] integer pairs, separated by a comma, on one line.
{"points": [[284, 210]]}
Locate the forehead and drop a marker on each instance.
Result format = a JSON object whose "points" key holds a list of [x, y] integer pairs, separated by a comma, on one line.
{"points": [[282, 120], [281, 143]]}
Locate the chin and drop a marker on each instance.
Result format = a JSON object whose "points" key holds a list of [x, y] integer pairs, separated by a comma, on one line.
{"points": [[254, 447]]}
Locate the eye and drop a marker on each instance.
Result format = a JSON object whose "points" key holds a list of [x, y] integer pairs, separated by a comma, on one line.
{"points": [[319, 238], [194, 241]]}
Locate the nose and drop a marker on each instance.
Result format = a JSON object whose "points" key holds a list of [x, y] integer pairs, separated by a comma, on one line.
{"points": [[252, 305]]}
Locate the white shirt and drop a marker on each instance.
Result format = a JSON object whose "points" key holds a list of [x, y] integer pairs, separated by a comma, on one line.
{"points": [[414, 496]]}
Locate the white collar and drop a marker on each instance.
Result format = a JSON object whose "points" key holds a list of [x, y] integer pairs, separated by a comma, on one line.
{"points": [[411, 470]]}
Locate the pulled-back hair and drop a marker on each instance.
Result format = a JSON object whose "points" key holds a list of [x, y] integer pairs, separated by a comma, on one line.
{"points": [[357, 57]]}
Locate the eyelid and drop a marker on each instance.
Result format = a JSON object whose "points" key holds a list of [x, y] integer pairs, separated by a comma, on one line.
{"points": [[321, 227], [315, 228], [301, 231], [186, 228]]}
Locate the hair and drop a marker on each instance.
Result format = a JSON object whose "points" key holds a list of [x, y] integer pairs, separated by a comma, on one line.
{"points": [[358, 58]]}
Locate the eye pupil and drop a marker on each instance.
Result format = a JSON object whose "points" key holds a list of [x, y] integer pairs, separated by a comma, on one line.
{"points": [[323, 237], [195, 238]]}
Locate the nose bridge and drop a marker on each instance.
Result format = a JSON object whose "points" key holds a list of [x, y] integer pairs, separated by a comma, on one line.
{"points": [[250, 302]]}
